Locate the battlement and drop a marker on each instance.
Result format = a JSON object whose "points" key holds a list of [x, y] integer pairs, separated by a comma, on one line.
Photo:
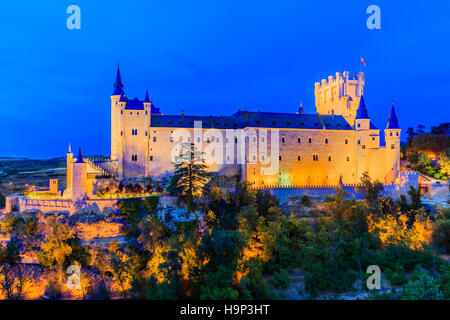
{"points": [[339, 94]]}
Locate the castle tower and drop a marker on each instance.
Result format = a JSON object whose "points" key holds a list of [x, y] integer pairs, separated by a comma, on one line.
{"points": [[116, 123], [135, 118], [79, 178], [339, 95], [362, 128], [392, 137]]}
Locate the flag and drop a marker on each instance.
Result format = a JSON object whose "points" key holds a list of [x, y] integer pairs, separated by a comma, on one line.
{"points": [[363, 62]]}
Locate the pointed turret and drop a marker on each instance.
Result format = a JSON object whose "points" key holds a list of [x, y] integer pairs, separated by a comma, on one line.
{"points": [[361, 113], [118, 86], [122, 98], [341, 183], [70, 149], [300, 109], [147, 98], [80, 157], [392, 121]]}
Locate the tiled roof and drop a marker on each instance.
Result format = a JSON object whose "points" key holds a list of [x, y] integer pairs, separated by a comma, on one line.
{"points": [[243, 119]]}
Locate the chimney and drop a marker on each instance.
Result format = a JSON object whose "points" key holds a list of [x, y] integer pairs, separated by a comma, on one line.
{"points": [[182, 113]]}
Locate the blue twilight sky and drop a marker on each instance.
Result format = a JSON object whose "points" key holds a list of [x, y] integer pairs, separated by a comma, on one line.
{"points": [[209, 57]]}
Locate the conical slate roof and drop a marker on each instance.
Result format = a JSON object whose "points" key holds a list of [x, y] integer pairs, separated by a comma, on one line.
{"points": [[361, 113]]}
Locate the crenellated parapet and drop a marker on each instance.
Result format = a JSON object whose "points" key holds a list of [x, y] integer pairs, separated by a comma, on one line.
{"points": [[339, 95]]}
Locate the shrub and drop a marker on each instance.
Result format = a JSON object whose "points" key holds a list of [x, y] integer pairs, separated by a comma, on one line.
{"points": [[425, 287], [53, 289], [306, 201], [281, 279], [396, 276]]}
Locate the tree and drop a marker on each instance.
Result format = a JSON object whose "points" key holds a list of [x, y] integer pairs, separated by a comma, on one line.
{"points": [[371, 189], [11, 273], [424, 288], [190, 175]]}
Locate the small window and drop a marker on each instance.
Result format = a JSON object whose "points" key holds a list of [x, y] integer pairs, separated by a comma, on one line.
{"points": [[346, 141], [254, 158], [315, 157], [283, 140], [217, 140], [363, 146], [326, 141], [198, 139], [329, 158], [390, 134], [396, 134], [373, 139], [279, 157], [310, 140], [151, 158], [131, 113], [299, 158], [299, 140], [359, 141], [138, 113], [262, 139], [154, 139], [254, 139], [121, 111], [235, 140], [121, 133], [348, 158], [146, 134], [146, 112], [208, 140], [392, 146], [171, 139], [359, 125]]}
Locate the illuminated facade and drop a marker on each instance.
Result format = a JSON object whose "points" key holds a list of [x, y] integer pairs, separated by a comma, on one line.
{"points": [[334, 146]]}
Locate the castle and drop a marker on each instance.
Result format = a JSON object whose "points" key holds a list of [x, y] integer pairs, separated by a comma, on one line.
{"points": [[334, 146], [271, 150]]}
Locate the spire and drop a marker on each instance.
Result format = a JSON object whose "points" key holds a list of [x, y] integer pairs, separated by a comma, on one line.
{"points": [[80, 157], [392, 121], [300, 109], [70, 149], [147, 98], [341, 184], [122, 97], [361, 113], [118, 86]]}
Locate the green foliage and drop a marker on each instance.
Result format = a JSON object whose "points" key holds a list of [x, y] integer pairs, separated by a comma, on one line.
{"points": [[131, 210], [281, 279], [425, 287], [397, 275], [371, 189], [190, 175], [441, 231]]}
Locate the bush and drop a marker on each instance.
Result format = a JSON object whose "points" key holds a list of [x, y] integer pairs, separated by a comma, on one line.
{"points": [[306, 201], [425, 287], [281, 279], [53, 289], [396, 276]]}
